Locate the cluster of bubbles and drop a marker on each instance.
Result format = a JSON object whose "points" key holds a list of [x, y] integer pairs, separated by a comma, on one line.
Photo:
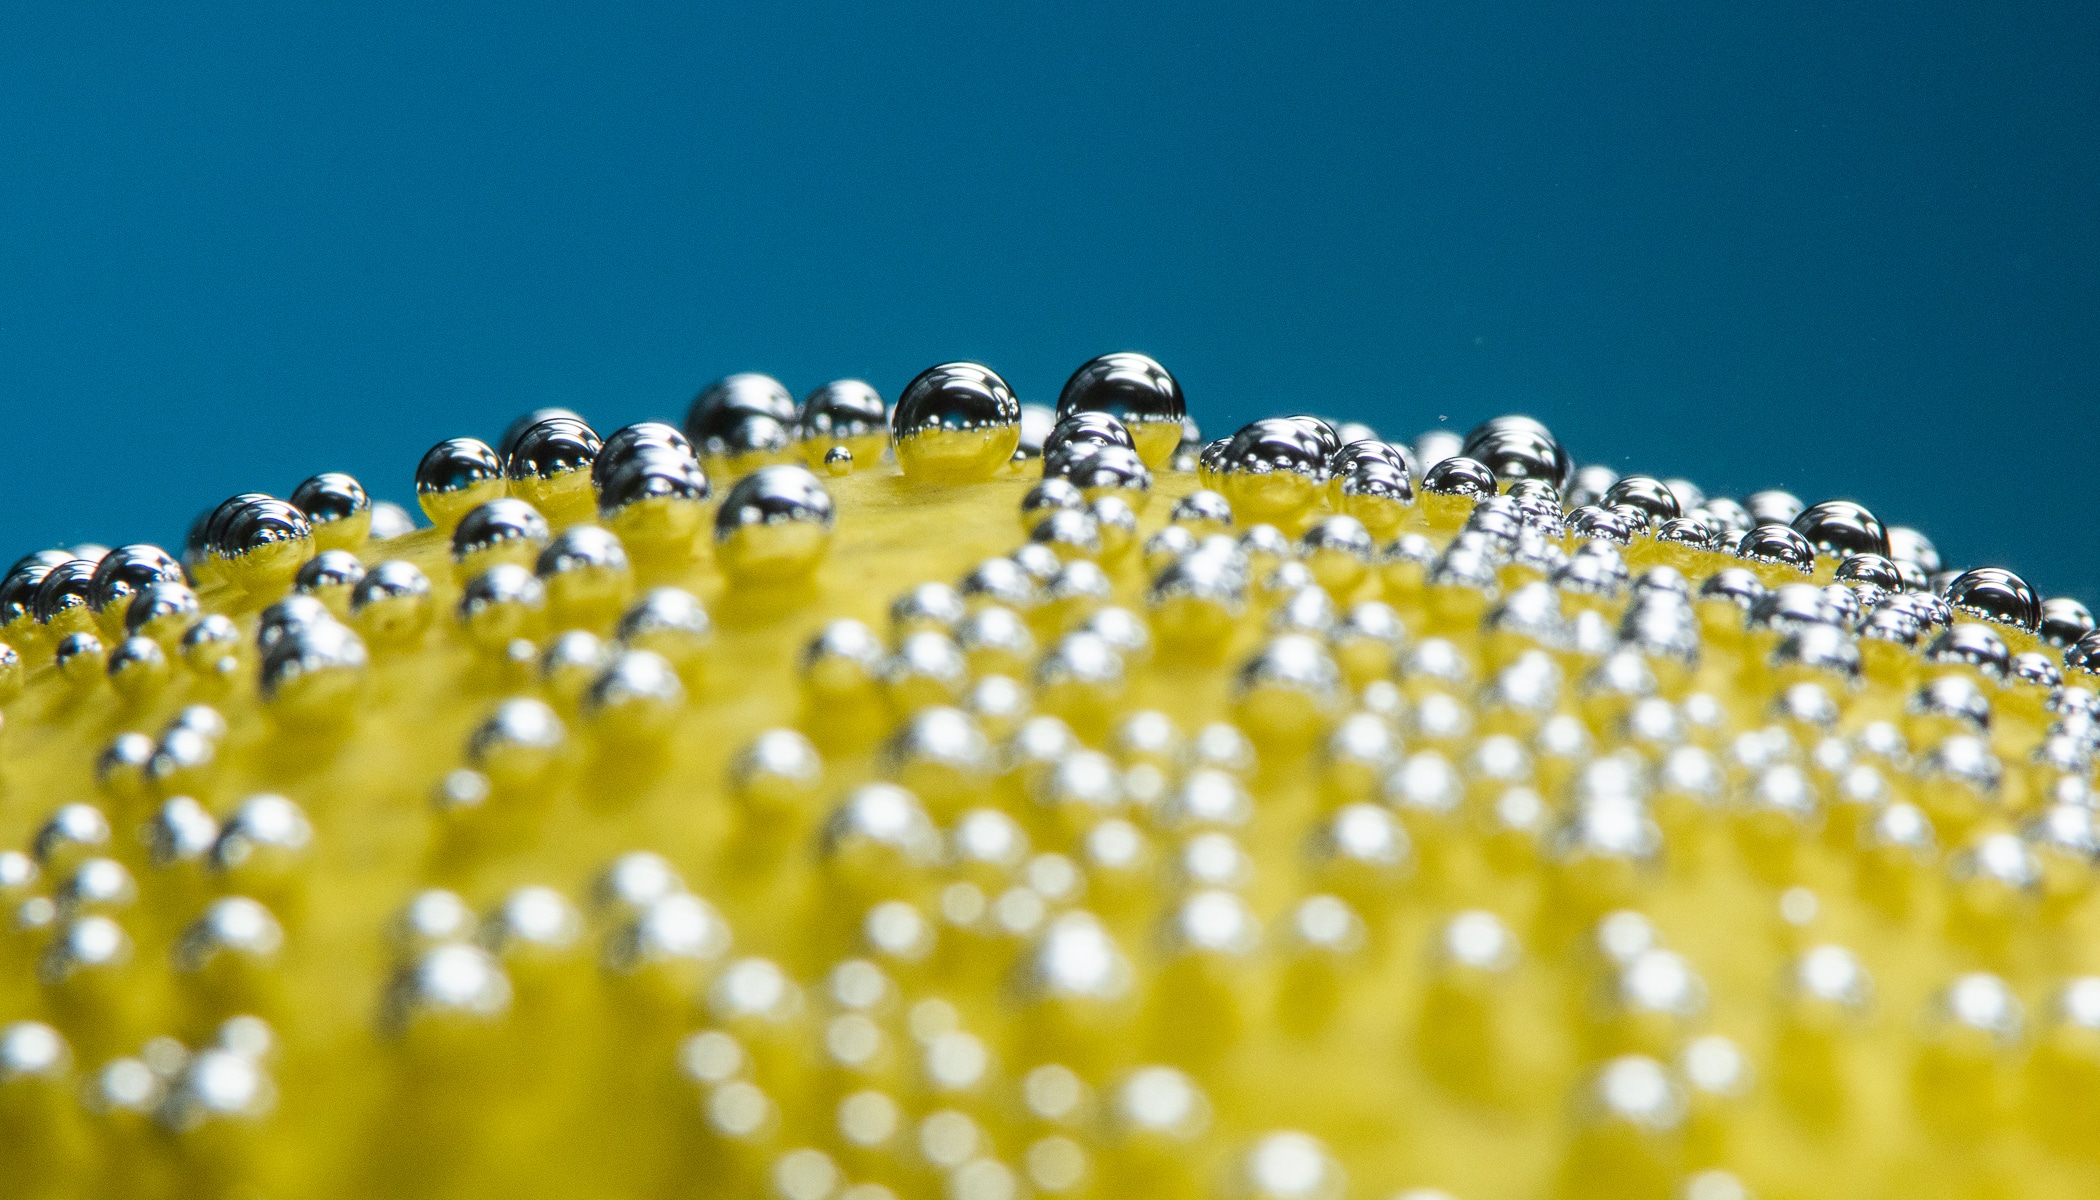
{"points": [[1518, 493], [958, 422], [226, 950], [128, 614], [1118, 418], [252, 854], [1014, 781], [1000, 684], [182, 1089], [649, 483]]}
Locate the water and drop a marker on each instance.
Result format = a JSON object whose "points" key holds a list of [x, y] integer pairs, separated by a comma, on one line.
{"points": [[1812, 247]]}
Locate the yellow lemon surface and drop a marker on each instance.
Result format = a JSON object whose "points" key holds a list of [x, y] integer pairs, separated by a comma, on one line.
{"points": [[988, 906]]}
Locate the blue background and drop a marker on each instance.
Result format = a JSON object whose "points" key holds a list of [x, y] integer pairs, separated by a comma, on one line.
{"points": [[1844, 251]]}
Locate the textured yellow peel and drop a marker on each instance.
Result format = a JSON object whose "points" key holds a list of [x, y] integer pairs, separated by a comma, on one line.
{"points": [[1411, 1074]]}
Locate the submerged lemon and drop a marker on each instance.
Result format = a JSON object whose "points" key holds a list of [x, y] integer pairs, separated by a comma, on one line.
{"points": [[963, 825]]}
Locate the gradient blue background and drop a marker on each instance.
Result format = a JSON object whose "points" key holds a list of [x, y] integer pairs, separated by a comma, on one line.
{"points": [[1844, 251]]}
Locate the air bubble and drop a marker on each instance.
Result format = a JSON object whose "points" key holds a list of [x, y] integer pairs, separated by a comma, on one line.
{"points": [[1646, 493], [1516, 447], [455, 477], [1778, 544], [958, 422], [337, 507], [1274, 468], [1137, 390], [505, 530], [1075, 431], [392, 605], [121, 575], [549, 465], [845, 414], [1459, 477], [774, 526], [1842, 528], [742, 421], [2064, 621], [1995, 594]]}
